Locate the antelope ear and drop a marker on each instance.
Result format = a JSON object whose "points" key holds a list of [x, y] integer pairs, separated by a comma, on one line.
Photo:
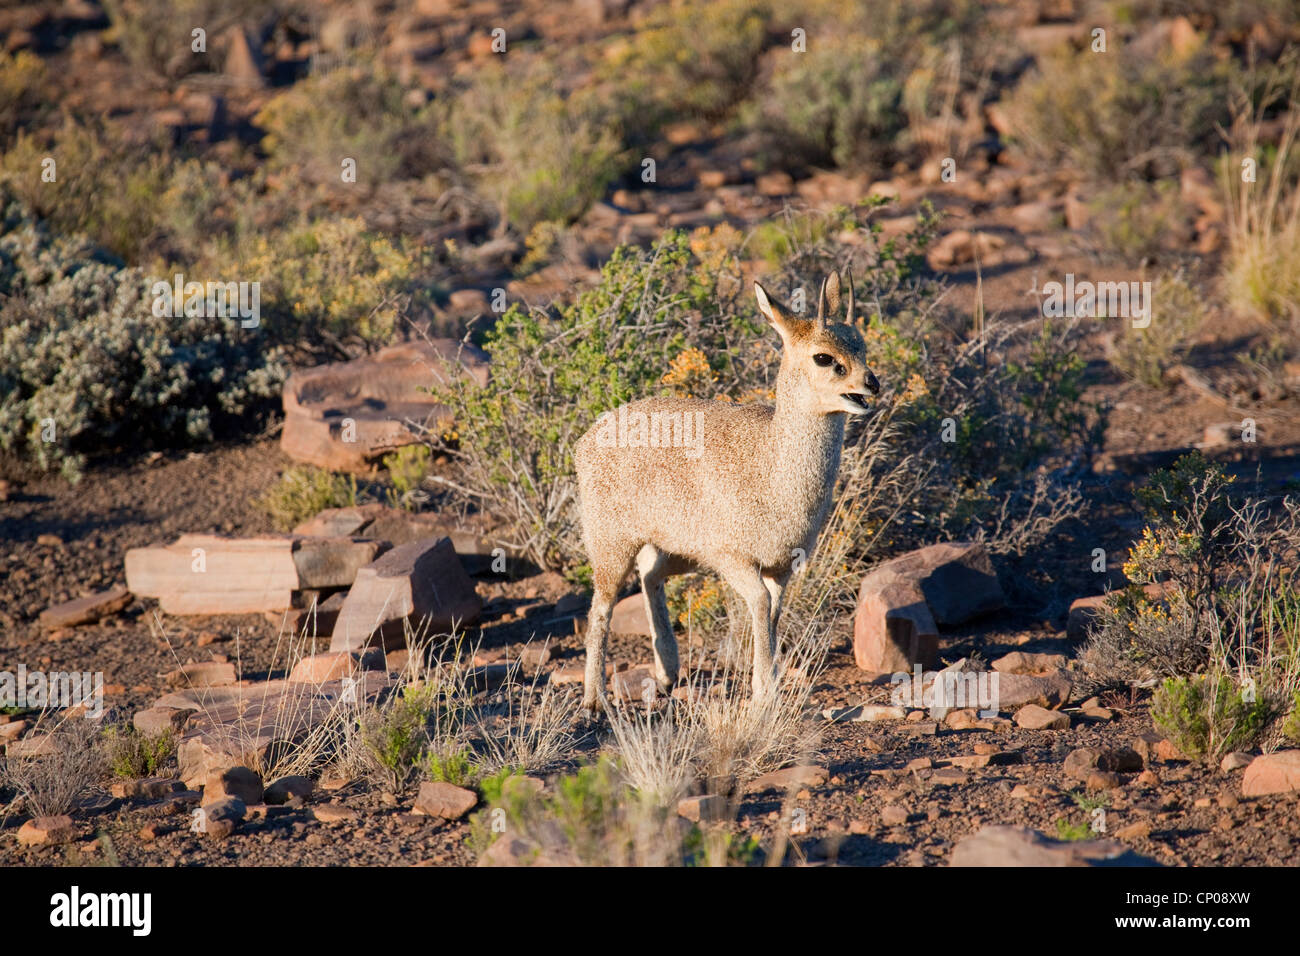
{"points": [[833, 294], [789, 327], [765, 305]]}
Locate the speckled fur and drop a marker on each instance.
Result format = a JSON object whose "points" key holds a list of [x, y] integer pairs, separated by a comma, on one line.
{"points": [[747, 505]]}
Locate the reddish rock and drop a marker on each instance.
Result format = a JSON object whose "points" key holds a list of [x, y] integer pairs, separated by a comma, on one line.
{"points": [[156, 721], [346, 415], [956, 578], [284, 789], [334, 813], [45, 831], [801, 776], [629, 617], [220, 819], [1033, 717], [85, 610], [319, 668], [1045, 690], [709, 808], [1272, 773], [893, 628], [333, 562], [438, 799], [240, 782], [243, 61], [634, 684], [209, 574], [420, 586], [1083, 611]]}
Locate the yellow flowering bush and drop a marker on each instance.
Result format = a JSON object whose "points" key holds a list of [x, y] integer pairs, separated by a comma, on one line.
{"points": [[335, 279]]}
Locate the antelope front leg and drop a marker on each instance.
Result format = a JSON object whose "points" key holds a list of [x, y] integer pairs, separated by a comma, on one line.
{"points": [[593, 685], [775, 592], [748, 583]]}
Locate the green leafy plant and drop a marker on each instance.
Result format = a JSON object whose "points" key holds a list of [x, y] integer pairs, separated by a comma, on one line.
{"points": [[539, 155], [407, 468], [1072, 832], [1177, 313], [132, 754], [1116, 115], [1207, 717], [303, 492], [334, 283], [87, 367], [456, 768], [358, 112]]}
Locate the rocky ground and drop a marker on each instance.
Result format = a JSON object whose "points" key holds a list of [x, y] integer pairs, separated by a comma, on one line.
{"points": [[893, 792]]}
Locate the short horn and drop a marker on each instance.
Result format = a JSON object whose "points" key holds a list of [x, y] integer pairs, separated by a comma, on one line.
{"points": [[850, 315], [821, 303]]}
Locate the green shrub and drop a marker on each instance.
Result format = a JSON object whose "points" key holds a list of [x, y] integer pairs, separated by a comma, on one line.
{"points": [[106, 186], [537, 154], [157, 35], [457, 768], [1225, 606], [1139, 221], [1206, 718], [334, 282], [407, 468], [693, 59], [841, 107], [1177, 313], [397, 735], [22, 79], [1291, 726], [358, 112], [1112, 115], [303, 492], [132, 754], [86, 367]]}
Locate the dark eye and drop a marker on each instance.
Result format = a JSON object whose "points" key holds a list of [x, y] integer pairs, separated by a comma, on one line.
{"points": [[822, 359]]}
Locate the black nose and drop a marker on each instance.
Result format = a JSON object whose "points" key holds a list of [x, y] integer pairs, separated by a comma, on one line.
{"points": [[872, 385]]}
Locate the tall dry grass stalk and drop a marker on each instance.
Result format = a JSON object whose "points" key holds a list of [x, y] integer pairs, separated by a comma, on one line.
{"points": [[1262, 269]]}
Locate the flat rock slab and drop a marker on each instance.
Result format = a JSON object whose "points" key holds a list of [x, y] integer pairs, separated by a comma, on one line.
{"points": [[1033, 717], [212, 574], [801, 776], [419, 586], [1022, 846], [346, 415], [85, 610], [202, 674], [252, 724]]}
